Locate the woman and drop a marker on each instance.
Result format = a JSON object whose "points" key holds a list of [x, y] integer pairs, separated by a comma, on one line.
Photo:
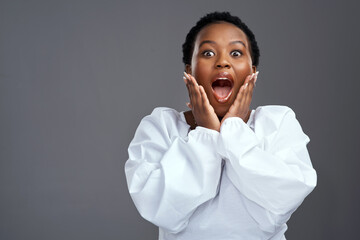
{"points": [[220, 170]]}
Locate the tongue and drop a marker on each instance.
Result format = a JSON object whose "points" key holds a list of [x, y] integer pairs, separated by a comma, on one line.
{"points": [[222, 91]]}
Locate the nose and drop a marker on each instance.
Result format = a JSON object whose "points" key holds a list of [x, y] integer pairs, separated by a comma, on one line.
{"points": [[222, 62]]}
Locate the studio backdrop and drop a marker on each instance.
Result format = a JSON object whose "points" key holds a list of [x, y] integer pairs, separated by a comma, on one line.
{"points": [[76, 78]]}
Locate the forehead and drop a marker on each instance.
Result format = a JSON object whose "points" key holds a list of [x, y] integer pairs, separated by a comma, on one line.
{"points": [[221, 32]]}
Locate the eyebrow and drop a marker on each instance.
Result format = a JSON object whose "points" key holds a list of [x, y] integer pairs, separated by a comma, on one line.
{"points": [[238, 41], [213, 42], [206, 41]]}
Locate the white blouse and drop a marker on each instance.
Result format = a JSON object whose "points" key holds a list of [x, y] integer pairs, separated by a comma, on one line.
{"points": [[243, 182]]}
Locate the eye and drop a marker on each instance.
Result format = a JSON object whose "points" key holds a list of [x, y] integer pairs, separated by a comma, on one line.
{"points": [[208, 53], [236, 53]]}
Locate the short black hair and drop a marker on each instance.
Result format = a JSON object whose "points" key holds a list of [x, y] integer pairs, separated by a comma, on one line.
{"points": [[215, 17]]}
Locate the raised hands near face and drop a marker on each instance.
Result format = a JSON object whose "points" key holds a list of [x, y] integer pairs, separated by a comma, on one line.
{"points": [[241, 106], [204, 113]]}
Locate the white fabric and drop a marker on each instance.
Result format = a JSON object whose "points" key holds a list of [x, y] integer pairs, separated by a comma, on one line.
{"points": [[241, 183]]}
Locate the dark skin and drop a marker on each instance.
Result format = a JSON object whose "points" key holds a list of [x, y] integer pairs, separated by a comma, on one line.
{"points": [[219, 48]]}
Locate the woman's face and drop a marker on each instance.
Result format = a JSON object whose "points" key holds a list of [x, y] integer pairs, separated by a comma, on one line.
{"points": [[220, 62]]}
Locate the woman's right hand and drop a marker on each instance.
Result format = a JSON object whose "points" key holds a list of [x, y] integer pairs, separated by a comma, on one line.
{"points": [[203, 112]]}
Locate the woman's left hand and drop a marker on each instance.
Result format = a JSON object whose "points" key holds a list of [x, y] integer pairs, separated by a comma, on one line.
{"points": [[241, 106]]}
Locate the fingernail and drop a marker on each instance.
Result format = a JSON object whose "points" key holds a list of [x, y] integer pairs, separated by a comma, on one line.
{"points": [[186, 75], [256, 74], [252, 76], [185, 80], [246, 85]]}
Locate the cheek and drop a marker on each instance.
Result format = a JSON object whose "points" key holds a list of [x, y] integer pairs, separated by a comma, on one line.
{"points": [[242, 71], [201, 71]]}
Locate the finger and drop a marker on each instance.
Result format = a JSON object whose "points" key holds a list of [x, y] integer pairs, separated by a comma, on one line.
{"points": [[194, 92], [193, 80], [187, 79], [249, 83], [190, 80], [191, 92], [239, 97], [186, 83], [245, 104], [256, 76], [204, 97], [252, 82], [249, 79], [196, 89], [248, 94], [188, 86], [245, 85], [197, 102], [186, 75], [191, 95], [189, 105], [195, 97], [242, 89]]}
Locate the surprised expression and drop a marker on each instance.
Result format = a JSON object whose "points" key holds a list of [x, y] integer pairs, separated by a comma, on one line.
{"points": [[221, 61]]}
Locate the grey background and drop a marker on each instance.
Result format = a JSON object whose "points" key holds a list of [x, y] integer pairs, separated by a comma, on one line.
{"points": [[76, 77]]}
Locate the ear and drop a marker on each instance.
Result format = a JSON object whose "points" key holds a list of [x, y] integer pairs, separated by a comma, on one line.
{"points": [[188, 69], [254, 69]]}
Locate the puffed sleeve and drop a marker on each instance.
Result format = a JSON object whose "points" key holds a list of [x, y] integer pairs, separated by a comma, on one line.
{"points": [[270, 165], [169, 176]]}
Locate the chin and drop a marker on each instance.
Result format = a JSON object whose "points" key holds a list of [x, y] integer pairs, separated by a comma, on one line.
{"points": [[221, 111]]}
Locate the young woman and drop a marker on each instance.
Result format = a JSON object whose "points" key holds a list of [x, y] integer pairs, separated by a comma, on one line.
{"points": [[220, 170]]}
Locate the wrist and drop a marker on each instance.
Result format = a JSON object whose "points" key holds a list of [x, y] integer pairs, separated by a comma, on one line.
{"points": [[245, 117]]}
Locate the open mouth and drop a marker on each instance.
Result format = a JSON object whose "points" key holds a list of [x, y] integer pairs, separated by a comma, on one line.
{"points": [[222, 89]]}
